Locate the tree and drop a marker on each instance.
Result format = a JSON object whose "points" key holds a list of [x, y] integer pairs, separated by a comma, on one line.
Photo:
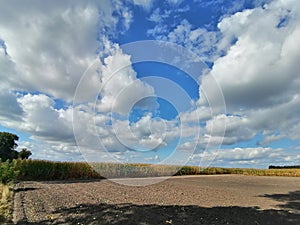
{"points": [[8, 147], [24, 153]]}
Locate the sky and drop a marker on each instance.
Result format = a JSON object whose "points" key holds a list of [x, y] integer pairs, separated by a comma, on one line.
{"points": [[199, 82]]}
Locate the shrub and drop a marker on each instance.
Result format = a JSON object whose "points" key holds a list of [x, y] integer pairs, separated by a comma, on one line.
{"points": [[8, 172]]}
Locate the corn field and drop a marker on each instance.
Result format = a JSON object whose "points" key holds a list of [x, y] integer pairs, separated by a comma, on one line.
{"points": [[50, 170]]}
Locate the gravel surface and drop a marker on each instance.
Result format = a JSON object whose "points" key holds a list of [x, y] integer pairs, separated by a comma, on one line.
{"points": [[218, 199]]}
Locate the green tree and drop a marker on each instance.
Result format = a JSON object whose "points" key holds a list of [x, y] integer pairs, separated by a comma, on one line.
{"points": [[8, 146], [24, 153]]}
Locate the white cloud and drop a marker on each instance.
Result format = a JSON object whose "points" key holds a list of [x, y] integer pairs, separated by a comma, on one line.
{"points": [[198, 40], [244, 157], [192, 38], [259, 74], [146, 134], [9, 107], [246, 75], [259, 77], [146, 4], [59, 41], [93, 133], [120, 88], [43, 121], [157, 16], [53, 151], [260, 68], [247, 154], [237, 129], [200, 114], [175, 2]]}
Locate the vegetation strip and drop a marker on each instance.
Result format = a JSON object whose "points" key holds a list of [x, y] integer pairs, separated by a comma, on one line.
{"points": [[48, 170]]}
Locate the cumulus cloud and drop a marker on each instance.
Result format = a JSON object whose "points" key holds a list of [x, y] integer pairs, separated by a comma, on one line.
{"points": [[259, 74], [259, 79], [204, 40], [237, 129], [201, 113], [9, 107], [43, 121], [146, 134], [256, 71], [57, 151], [59, 41], [93, 132], [242, 157], [120, 88], [256, 63]]}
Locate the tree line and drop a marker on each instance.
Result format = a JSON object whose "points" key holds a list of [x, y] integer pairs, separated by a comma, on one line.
{"points": [[8, 147], [284, 167]]}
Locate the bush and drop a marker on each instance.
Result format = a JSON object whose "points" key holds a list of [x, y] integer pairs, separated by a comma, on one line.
{"points": [[8, 172]]}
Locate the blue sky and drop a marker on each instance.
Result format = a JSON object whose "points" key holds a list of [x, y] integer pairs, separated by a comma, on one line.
{"points": [[167, 82]]}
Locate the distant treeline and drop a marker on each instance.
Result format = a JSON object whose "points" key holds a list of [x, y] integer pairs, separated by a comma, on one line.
{"points": [[284, 167]]}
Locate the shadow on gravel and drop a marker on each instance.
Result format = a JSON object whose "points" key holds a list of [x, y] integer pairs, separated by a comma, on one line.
{"points": [[157, 214], [73, 181], [291, 200], [20, 189]]}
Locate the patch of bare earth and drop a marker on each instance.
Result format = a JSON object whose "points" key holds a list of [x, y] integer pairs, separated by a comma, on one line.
{"points": [[224, 199]]}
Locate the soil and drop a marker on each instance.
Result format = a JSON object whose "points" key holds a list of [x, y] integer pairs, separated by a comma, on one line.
{"points": [[217, 199]]}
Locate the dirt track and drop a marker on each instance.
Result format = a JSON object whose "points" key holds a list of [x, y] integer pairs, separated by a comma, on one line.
{"points": [[224, 199]]}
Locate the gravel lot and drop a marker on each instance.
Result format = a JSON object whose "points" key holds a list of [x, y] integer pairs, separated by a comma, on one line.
{"points": [[217, 199]]}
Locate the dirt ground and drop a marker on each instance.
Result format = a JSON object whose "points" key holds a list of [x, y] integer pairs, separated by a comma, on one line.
{"points": [[218, 199]]}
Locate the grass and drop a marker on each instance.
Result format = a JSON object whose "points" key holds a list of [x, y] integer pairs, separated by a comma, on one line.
{"points": [[6, 202]]}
